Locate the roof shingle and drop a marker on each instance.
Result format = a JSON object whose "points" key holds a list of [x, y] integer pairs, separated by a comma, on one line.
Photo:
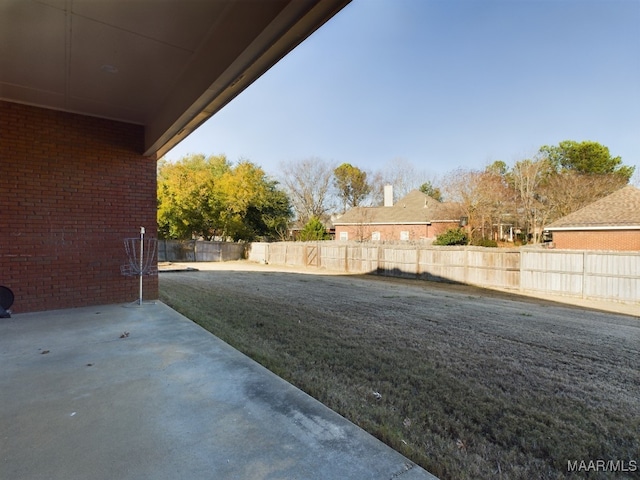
{"points": [[415, 207], [620, 209]]}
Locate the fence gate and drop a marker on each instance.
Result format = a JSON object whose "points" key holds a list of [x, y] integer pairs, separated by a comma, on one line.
{"points": [[311, 257]]}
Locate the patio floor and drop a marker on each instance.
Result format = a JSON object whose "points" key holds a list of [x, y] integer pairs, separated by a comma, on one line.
{"points": [[133, 392]]}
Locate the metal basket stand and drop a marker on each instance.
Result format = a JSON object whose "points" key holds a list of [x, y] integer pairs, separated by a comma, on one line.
{"points": [[141, 254]]}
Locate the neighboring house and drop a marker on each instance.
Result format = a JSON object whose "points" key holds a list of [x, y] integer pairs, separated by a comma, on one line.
{"points": [[611, 223], [416, 217]]}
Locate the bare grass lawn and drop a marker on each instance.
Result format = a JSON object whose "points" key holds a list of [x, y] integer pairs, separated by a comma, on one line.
{"points": [[468, 383]]}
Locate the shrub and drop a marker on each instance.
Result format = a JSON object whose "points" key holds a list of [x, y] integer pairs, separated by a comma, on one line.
{"points": [[314, 230], [484, 242], [453, 236]]}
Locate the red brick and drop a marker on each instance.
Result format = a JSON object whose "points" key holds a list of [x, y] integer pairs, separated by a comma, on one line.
{"points": [[621, 240], [71, 189], [392, 232]]}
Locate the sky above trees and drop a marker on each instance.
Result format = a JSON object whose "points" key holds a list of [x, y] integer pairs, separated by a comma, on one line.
{"points": [[442, 85]]}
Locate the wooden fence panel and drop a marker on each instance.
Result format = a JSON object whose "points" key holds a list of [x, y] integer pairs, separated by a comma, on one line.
{"points": [[446, 264], [396, 261], [258, 252], [552, 271], [295, 254], [176, 250], [277, 253], [498, 268], [332, 256], [199, 251], [369, 259], [612, 276], [360, 259]]}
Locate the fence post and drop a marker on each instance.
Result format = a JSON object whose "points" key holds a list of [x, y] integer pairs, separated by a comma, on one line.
{"points": [[465, 270], [346, 258], [521, 253], [584, 274]]}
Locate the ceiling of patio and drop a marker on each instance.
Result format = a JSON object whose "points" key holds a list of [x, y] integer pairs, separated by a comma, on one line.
{"points": [[165, 64]]}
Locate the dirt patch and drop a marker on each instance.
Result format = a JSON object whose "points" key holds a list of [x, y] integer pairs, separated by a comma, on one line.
{"points": [[467, 382]]}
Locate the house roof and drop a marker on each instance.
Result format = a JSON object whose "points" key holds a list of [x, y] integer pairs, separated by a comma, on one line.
{"points": [[414, 208], [167, 65], [620, 210]]}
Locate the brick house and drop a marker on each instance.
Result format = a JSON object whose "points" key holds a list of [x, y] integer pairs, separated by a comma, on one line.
{"points": [[91, 95], [611, 223], [416, 217]]}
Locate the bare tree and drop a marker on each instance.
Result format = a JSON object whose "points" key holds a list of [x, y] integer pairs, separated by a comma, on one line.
{"points": [[567, 191], [483, 197], [528, 178], [402, 175], [308, 183], [364, 229]]}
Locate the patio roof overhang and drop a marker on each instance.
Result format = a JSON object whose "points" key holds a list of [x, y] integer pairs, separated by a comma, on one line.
{"points": [[167, 65]]}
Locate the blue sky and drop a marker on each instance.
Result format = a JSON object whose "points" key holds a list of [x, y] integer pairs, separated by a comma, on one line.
{"points": [[442, 84]]}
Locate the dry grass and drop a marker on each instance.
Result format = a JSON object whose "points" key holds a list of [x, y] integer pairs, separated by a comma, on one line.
{"points": [[469, 384]]}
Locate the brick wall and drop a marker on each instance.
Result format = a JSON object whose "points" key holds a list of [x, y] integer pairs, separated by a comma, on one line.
{"points": [[619, 240], [71, 189], [393, 232]]}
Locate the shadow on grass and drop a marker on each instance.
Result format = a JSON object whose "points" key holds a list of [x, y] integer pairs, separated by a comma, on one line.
{"points": [[397, 273]]}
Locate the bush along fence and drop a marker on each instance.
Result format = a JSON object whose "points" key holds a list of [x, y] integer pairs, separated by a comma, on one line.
{"points": [[199, 251], [603, 275]]}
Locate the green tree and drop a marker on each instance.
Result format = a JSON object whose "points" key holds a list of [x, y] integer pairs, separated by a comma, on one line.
{"points": [[189, 204], [208, 197], [273, 215], [428, 189], [581, 173], [586, 158], [351, 184], [497, 168], [314, 230], [253, 205]]}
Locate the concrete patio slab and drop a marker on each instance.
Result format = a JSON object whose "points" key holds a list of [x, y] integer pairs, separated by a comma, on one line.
{"points": [[133, 392]]}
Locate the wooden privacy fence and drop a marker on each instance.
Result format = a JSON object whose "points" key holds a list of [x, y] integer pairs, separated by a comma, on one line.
{"points": [[199, 251], [611, 276]]}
